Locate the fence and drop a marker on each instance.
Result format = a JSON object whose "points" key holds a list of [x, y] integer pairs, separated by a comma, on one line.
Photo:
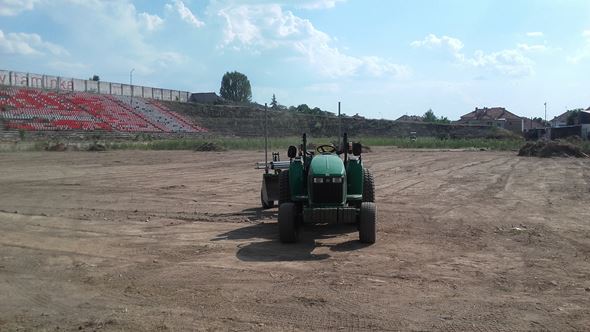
{"points": [[39, 81]]}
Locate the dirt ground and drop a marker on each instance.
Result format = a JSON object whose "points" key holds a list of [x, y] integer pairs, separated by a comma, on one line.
{"points": [[140, 240]]}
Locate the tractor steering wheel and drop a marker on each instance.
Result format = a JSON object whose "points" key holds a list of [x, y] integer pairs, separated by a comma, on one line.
{"points": [[326, 148]]}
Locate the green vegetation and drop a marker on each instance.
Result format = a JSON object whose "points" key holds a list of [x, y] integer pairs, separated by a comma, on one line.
{"points": [[431, 118], [304, 109], [541, 121], [236, 87], [234, 143], [436, 143], [572, 118], [281, 144], [273, 103], [284, 142]]}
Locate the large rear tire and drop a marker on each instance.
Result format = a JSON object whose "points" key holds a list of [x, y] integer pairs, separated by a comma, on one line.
{"points": [[368, 186], [288, 225], [284, 188], [367, 224]]}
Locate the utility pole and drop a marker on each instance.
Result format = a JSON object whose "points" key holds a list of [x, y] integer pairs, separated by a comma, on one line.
{"points": [[545, 112]]}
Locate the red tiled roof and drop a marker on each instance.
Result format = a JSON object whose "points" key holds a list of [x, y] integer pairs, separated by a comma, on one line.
{"points": [[493, 113]]}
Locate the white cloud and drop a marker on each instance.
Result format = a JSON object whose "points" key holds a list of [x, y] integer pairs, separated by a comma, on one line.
{"points": [[68, 68], [584, 52], [432, 41], [531, 48], [102, 26], [318, 4], [378, 67], [535, 34], [185, 13], [151, 22], [28, 44], [262, 27], [511, 62], [15, 7], [507, 62]]}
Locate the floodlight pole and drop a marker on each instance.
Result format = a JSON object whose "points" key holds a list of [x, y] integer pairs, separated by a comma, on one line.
{"points": [[545, 112], [131, 85]]}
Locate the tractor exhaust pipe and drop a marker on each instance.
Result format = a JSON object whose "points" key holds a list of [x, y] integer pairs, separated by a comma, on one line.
{"points": [[345, 146], [304, 147]]}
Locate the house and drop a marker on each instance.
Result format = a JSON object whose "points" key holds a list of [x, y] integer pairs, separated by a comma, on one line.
{"points": [[584, 119], [205, 98], [410, 118], [498, 117], [578, 125], [560, 120], [529, 124]]}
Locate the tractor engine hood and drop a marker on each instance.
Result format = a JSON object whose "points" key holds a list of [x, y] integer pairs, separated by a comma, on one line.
{"points": [[327, 165]]}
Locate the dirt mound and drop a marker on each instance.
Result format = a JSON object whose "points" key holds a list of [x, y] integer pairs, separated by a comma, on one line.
{"points": [[97, 147], [209, 146], [56, 147], [547, 149]]}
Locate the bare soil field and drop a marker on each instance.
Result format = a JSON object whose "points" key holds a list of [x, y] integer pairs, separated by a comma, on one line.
{"points": [[151, 240]]}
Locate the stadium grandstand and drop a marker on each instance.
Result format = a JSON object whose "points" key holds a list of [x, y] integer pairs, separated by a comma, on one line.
{"points": [[31, 109]]}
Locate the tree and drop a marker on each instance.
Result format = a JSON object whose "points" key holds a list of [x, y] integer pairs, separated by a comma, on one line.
{"points": [[431, 118], [95, 78], [303, 108], [444, 120], [236, 87], [273, 103], [572, 117], [540, 120]]}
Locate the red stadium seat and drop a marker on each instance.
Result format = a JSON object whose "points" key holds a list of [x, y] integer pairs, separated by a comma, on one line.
{"points": [[36, 109]]}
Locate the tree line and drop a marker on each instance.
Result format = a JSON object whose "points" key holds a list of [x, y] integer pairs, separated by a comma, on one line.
{"points": [[236, 87]]}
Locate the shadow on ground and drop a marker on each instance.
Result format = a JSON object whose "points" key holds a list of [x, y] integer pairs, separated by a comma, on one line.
{"points": [[272, 250], [253, 214]]}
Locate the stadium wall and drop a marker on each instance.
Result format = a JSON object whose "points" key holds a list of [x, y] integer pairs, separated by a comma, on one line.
{"points": [[40, 81]]}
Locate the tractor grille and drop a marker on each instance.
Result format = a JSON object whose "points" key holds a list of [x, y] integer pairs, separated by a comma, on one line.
{"points": [[327, 192]]}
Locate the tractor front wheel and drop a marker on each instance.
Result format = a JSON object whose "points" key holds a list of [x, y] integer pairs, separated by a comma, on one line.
{"points": [[288, 225], [367, 224]]}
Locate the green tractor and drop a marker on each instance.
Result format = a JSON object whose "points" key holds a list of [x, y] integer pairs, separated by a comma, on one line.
{"points": [[323, 188]]}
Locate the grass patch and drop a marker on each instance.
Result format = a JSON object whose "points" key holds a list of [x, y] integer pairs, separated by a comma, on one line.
{"points": [[280, 144], [284, 142], [435, 143]]}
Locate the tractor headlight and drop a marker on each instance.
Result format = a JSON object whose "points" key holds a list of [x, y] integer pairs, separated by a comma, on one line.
{"points": [[337, 180], [318, 180]]}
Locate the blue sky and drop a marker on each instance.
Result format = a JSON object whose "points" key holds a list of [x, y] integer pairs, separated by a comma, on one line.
{"points": [[382, 59]]}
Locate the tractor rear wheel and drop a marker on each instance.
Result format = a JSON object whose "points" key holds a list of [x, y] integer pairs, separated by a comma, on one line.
{"points": [[284, 188], [367, 224], [368, 186], [265, 204], [288, 225]]}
